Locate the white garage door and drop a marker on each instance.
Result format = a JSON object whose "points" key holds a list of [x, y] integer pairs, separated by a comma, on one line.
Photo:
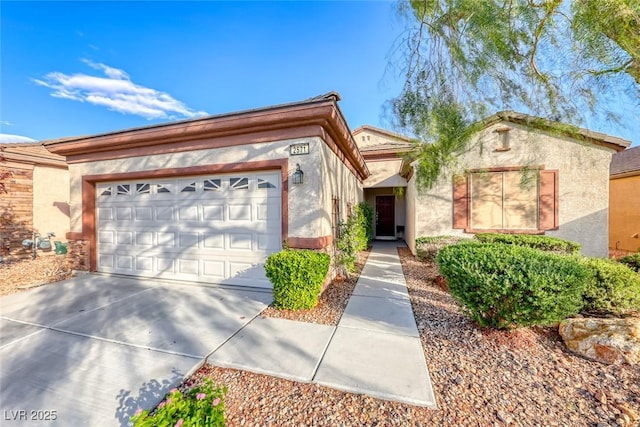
{"points": [[216, 229]]}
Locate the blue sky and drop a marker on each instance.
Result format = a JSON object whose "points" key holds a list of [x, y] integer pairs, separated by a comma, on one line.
{"points": [[75, 68]]}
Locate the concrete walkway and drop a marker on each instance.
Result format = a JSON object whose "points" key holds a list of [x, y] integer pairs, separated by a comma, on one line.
{"points": [[374, 350]]}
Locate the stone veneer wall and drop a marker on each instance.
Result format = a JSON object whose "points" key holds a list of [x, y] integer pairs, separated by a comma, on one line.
{"points": [[78, 255], [16, 212]]}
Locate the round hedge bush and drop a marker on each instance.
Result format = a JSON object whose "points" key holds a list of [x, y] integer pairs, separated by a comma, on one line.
{"points": [[613, 288], [297, 277], [506, 286]]}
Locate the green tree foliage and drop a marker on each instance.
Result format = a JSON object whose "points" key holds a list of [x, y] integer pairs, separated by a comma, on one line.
{"points": [[551, 58]]}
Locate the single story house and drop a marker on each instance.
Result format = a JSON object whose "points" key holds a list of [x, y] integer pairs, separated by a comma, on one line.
{"points": [[35, 197], [208, 199], [624, 201]]}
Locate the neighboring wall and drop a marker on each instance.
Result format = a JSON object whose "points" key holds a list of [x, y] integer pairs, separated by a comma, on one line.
{"points": [[51, 201], [16, 209], [583, 184], [624, 213]]}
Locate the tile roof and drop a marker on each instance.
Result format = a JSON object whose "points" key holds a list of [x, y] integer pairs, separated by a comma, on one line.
{"points": [[625, 161], [31, 153]]}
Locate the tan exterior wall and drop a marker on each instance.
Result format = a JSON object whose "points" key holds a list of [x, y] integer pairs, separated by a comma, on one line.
{"points": [[368, 138], [624, 213], [384, 173], [324, 173], [51, 201], [583, 181], [337, 181]]}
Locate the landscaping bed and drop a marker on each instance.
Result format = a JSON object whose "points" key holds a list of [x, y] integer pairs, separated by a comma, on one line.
{"points": [[16, 276], [331, 303], [523, 377]]}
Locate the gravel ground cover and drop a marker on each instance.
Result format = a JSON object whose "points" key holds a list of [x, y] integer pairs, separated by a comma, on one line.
{"points": [[481, 378], [16, 276]]}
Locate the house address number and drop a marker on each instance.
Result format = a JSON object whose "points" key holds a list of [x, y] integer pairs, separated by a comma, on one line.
{"points": [[298, 149]]}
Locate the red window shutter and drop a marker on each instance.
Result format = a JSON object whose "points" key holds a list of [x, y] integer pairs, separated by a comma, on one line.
{"points": [[461, 201], [548, 206]]}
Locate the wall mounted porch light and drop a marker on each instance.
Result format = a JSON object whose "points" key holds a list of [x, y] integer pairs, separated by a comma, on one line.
{"points": [[298, 175]]}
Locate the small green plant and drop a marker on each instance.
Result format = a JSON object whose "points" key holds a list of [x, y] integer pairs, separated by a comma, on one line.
{"points": [[544, 243], [632, 261], [505, 286], [353, 236], [613, 288], [202, 405], [364, 214], [427, 247], [297, 277]]}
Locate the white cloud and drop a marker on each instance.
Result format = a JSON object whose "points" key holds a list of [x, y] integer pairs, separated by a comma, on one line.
{"points": [[117, 92], [6, 123], [6, 138]]}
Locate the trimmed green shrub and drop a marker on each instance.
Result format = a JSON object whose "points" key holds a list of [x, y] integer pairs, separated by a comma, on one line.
{"points": [[544, 243], [613, 288], [297, 277], [632, 261], [427, 247], [506, 286]]}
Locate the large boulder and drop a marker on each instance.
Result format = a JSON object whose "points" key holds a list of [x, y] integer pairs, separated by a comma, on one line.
{"points": [[609, 340]]}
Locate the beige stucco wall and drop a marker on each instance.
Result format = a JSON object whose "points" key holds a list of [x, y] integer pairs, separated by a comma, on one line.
{"points": [[410, 216], [306, 218], [624, 213], [583, 182], [337, 180], [368, 138], [385, 173], [51, 201]]}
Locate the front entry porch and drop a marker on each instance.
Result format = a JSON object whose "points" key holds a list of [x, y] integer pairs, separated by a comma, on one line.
{"points": [[389, 212]]}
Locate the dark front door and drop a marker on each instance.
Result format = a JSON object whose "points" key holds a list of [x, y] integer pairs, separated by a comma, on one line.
{"points": [[385, 216]]}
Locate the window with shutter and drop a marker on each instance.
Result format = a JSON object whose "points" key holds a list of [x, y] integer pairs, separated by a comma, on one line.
{"points": [[508, 199]]}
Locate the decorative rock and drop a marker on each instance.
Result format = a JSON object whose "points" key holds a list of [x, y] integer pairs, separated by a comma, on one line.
{"points": [[605, 340]]}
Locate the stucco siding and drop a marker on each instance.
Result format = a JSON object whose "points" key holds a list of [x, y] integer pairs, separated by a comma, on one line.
{"points": [[337, 181], [624, 213], [583, 182], [305, 219], [385, 173], [51, 201]]}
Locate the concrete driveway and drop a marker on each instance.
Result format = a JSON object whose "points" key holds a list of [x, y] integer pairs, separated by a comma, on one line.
{"points": [[91, 350]]}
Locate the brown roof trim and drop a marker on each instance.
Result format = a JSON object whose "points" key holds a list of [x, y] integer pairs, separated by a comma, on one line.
{"points": [[314, 117], [32, 154], [381, 131], [386, 154], [598, 138]]}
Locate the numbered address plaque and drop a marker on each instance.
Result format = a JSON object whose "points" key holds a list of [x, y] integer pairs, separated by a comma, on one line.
{"points": [[299, 149]]}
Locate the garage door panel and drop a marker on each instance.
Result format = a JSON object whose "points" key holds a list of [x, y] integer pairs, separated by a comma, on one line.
{"points": [[189, 240], [143, 213], [211, 229], [144, 238], [213, 240], [164, 213]]}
